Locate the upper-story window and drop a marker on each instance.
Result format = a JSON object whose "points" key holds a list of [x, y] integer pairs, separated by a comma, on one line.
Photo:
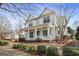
{"points": [[37, 21], [30, 24], [46, 19]]}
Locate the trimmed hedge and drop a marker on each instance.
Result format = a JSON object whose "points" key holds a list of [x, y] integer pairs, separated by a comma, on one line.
{"points": [[71, 51], [3, 43], [15, 46], [31, 49], [25, 47], [41, 49], [52, 51], [18, 46]]}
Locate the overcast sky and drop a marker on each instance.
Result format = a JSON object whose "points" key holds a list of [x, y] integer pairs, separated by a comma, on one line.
{"points": [[36, 9]]}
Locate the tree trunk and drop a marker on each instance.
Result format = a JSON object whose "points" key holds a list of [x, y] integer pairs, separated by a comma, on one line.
{"points": [[61, 35]]}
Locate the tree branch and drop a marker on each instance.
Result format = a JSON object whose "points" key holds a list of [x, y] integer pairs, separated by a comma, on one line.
{"points": [[7, 10]]}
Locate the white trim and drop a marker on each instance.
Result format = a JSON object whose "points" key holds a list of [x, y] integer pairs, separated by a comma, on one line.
{"points": [[35, 33], [28, 34]]}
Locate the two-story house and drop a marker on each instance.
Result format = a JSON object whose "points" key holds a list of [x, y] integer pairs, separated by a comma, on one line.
{"points": [[43, 26]]}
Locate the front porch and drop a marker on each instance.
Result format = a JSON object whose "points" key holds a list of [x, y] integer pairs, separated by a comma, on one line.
{"points": [[43, 32]]}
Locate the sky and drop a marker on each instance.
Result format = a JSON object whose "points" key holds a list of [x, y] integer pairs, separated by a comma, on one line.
{"points": [[36, 9]]}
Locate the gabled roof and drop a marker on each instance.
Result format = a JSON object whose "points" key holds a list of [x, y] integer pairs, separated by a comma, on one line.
{"points": [[46, 11], [30, 17]]}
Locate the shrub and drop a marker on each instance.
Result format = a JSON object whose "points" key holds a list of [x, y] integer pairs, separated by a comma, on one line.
{"points": [[41, 49], [15, 46], [22, 40], [18, 46], [71, 51], [3, 43], [25, 47], [77, 33], [31, 49], [52, 51]]}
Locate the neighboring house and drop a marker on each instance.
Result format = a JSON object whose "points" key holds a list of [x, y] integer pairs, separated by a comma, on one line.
{"points": [[44, 26], [11, 36]]}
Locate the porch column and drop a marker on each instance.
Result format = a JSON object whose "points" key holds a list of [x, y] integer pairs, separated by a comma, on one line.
{"points": [[35, 33], [28, 34], [49, 34]]}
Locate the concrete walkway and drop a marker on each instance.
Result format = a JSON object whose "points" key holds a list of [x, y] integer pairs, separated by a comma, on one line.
{"points": [[8, 51]]}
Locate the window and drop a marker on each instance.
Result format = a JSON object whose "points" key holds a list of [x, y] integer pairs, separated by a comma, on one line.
{"points": [[45, 33], [46, 19], [38, 33], [31, 34], [37, 22], [30, 24]]}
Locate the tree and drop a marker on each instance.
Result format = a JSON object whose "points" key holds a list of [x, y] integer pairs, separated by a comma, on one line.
{"points": [[75, 24], [77, 33], [21, 16], [5, 26], [65, 14], [70, 31], [19, 25]]}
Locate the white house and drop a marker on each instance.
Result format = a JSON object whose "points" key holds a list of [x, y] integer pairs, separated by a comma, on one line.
{"points": [[43, 26]]}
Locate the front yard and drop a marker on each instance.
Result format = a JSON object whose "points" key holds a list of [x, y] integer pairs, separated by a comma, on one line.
{"points": [[32, 49]]}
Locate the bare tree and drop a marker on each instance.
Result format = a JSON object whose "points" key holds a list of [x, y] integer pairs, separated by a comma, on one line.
{"points": [[65, 14], [22, 15], [5, 26]]}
